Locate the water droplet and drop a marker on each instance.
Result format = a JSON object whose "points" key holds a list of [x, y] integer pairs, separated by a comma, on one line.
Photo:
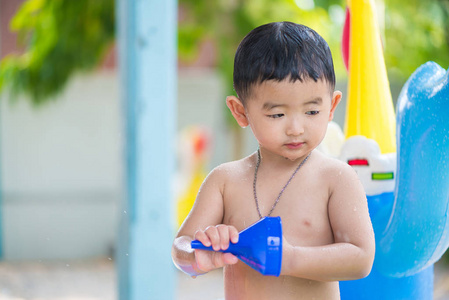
{"points": [[124, 212], [67, 265], [109, 258]]}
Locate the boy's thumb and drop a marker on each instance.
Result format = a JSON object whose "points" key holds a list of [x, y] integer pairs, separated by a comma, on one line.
{"points": [[230, 259]]}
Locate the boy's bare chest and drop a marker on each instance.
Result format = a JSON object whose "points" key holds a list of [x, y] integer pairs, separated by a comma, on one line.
{"points": [[302, 207]]}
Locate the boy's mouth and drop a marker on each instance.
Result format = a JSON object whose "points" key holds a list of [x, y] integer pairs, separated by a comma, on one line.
{"points": [[294, 145]]}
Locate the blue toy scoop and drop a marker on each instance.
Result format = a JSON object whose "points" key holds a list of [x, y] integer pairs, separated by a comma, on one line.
{"points": [[259, 246]]}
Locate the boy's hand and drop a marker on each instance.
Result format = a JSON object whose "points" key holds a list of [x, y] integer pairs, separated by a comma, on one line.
{"points": [[218, 237]]}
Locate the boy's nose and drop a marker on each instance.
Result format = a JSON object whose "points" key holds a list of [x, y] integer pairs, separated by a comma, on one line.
{"points": [[295, 127]]}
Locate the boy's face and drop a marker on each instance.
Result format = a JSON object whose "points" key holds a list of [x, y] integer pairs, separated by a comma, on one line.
{"points": [[288, 118]]}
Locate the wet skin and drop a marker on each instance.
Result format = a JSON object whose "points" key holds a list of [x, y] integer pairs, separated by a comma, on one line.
{"points": [[327, 230]]}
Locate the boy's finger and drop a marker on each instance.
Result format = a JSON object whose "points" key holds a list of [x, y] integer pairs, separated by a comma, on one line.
{"points": [[223, 231], [229, 259], [214, 237], [233, 234], [204, 260], [202, 237]]}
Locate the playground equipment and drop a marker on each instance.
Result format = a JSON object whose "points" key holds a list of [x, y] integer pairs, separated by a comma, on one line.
{"points": [[259, 246], [369, 111], [194, 147], [418, 229], [407, 191]]}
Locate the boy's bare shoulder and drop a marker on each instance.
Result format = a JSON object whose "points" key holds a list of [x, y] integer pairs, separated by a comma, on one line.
{"points": [[235, 169], [333, 168]]}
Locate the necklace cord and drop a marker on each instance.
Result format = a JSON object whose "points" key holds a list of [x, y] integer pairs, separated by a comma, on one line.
{"points": [[283, 189]]}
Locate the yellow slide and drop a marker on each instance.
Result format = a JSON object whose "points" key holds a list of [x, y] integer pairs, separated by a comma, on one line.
{"points": [[369, 111]]}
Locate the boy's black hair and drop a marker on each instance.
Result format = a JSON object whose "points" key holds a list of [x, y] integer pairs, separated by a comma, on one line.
{"points": [[276, 51]]}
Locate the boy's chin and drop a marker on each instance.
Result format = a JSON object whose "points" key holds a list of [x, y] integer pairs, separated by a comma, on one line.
{"points": [[297, 157], [292, 157]]}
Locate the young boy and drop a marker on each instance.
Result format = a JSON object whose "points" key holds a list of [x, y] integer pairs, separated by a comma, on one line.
{"points": [[284, 79]]}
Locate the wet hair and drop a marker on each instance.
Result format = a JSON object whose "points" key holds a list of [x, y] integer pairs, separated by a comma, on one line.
{"points": [[281, 50]]}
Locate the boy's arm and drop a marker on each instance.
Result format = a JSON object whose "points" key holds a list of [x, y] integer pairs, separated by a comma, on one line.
{"points": [[201, 224], [352, 253]]}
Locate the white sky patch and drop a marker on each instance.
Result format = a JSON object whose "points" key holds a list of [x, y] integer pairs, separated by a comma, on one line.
{"points": [[305, 4], [337, 14]]}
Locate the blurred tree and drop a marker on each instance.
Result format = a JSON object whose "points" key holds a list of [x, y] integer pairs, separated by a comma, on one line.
{"points": [[60, 38], [63, 37], [415, 32]]}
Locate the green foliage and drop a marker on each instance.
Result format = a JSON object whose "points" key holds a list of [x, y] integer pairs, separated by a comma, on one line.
{"points": [[63, 37], [60, 38], [415, 32]]}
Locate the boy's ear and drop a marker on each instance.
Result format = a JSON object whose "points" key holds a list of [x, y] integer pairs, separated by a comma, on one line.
{"points": [[336, 98], [238, 110]]}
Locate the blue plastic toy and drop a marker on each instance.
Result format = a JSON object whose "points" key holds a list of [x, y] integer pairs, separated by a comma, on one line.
{"points": [[418, 230], [411, 223], [259, 246]]}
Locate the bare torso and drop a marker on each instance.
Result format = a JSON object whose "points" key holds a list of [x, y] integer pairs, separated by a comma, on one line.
{"points": [[242, 282], [303, 208]]}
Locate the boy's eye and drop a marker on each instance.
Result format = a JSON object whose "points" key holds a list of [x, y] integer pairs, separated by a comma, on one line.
{"points": [[312, 112], [276, 116]]}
